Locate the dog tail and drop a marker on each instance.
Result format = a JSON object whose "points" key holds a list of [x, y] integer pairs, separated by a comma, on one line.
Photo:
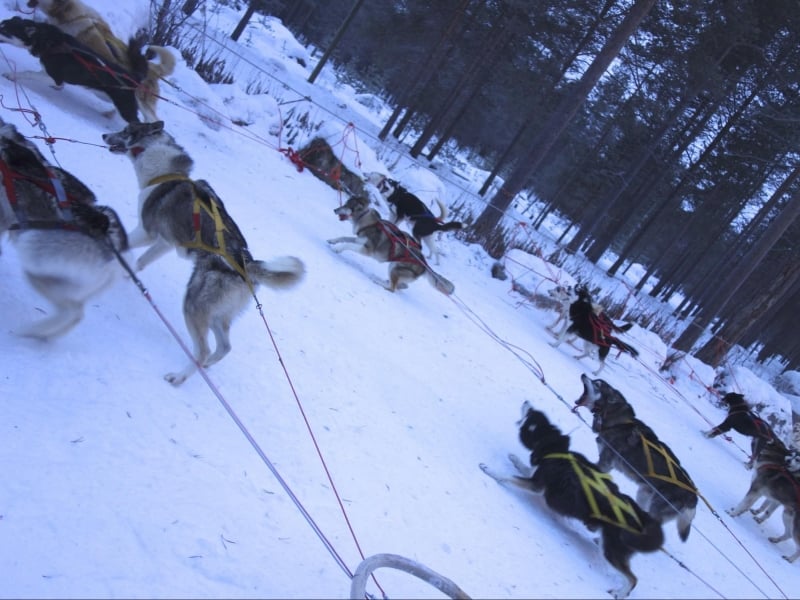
{"points": [[166, 61], [440, 283], [451, 226], [622, 345], [279, 273], [685, 521], [442, 209]]}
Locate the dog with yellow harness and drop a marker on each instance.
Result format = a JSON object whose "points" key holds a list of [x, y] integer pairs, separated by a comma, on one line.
{"points": [[575, 487], [176, 211], [665, 489]]}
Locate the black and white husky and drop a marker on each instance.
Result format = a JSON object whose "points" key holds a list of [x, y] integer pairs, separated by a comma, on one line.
{"points": [[575, 487], [590, 323], [176, 211], [405, 205], [65, 243], [66, 60]]}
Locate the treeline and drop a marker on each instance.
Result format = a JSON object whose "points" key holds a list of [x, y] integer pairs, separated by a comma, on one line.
{"points": [[681, 156]]}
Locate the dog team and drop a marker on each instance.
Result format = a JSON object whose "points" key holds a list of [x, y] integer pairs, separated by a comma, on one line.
{"points": [[70, 248]]}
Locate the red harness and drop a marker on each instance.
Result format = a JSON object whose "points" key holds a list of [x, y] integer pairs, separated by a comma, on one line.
{"points": [[51, 186], [404, 247]]}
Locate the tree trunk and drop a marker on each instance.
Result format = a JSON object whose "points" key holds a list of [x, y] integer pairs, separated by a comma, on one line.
{"points": [[335, 42], [739, 274], [543, 143]]}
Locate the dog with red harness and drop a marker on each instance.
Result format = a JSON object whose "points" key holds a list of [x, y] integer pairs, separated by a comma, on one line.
{"points": [[66, 60], [66, 244], [385, 242], [595, 328]]}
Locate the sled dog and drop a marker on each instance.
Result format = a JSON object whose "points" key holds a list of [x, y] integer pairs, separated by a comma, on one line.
{"points": [[88, 27], [625, 443], [575, 487], [773, 478], [66, 60], [66, 244], [594, 327], [742, 419], [564, 295], [385, 242], [178, 212], [408, 206]]}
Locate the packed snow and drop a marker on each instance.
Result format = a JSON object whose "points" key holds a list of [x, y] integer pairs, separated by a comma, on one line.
{"points": [[347, 421]]}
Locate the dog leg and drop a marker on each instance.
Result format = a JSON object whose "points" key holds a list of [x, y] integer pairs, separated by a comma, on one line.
{"points": [[433, 249], [139, 237], [788, 523], [516, 481], [33, 77], [198, 330], [221, 331], [67, 315], [154, 252], [524, 469], [748, 501], [764, 512]]}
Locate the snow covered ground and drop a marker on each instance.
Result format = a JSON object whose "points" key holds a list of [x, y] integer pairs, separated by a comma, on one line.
{"points": [[374, 409]]}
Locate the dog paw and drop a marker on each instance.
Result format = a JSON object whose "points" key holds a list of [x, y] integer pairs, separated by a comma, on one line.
{"points": [[175, 378]]}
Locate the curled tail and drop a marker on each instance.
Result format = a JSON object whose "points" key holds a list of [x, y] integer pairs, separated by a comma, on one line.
{"points": [[278, 273], [442, 209], [166, 61]]}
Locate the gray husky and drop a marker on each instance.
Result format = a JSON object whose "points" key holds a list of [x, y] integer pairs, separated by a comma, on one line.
{"points": [[66, 244], [385, 242], [665, 489], [178, 212], [774, 478]]}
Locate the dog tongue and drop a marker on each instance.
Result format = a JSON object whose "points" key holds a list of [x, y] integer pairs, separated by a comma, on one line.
{"points": [[343, 217]]}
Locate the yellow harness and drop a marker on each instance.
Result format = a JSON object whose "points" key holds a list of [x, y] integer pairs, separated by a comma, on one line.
{"points": [[210, 208], [675, 473], [594, 482]]}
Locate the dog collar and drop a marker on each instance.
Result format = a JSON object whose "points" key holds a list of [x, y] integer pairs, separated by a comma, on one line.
{"points": [[165, 178], [137, 150]]}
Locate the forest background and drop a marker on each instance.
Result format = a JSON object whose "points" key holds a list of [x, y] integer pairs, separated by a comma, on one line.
{"points": [[664, 134]]}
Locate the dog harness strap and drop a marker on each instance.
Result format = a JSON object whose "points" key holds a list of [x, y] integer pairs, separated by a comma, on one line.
{"points": [[61, 195], [211, 208], [167, 177], [675, 473], [787, 473], [103, 67], [596, 482], [53, 186], [11, 193], [404, 248]]}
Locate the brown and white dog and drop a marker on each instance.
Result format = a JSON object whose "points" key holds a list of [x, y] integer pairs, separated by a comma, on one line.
{"points": [[88, 27]]}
